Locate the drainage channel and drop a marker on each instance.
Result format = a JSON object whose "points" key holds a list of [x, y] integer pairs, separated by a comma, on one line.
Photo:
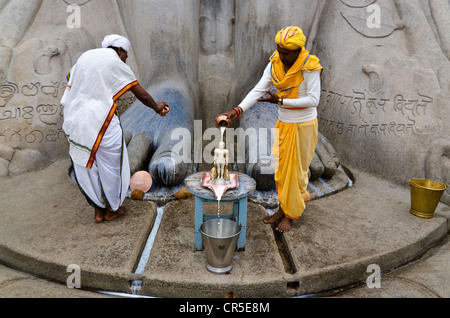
{"points": [[136, 285], [286, 257]]}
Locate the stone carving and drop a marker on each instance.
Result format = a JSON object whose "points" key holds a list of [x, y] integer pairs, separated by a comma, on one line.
{"points": [[139, 149], [357, 18], [376, 76], [437, 165], [391, 106], [384, 95], [358, 3], [36, 53], [7, 91]]}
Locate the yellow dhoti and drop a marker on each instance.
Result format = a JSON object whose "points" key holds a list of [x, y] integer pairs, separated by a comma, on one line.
{"points": [[294, 148]]}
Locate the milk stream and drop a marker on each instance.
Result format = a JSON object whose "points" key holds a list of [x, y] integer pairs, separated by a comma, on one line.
{"points": [[222, 132], [219, 225]]}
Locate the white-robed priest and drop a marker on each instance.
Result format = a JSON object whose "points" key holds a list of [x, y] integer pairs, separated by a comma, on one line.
{"points": [[91, 122]]}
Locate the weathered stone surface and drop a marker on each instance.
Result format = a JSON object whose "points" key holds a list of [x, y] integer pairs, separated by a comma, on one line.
{"points": [[63, 232], [383, 105], [393, 96], [127, 137], [392, 287], [38, 47], [4, 171], [431, 271], [175, 268], [139, 152], [6, 152], [390, 110], [352, 216], [48, 225], [14, 284], [26, 160]]}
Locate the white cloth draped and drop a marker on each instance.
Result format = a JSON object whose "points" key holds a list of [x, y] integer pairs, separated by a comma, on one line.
{"points": [[97, 148], [96, 81], [116, 40]]}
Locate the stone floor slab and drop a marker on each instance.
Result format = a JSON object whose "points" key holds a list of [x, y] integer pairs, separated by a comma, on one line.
{"points": [[338, 237], [432, 271], [51, 226], [175, 269], [48, 225], [14, 284]]}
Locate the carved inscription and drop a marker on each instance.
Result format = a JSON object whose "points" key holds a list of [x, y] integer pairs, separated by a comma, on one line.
{"points": [[48, 114], [30, 113], [125, 102], [359, 114], [24, 113], [392, 128], [415, 107], [7, 91]]}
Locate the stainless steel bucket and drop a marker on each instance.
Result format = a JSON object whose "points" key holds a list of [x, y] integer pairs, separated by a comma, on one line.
{"points": [[220, 238]]}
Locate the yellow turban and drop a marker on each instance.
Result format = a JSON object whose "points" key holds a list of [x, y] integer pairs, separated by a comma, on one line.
{"points": [[291, 38]]}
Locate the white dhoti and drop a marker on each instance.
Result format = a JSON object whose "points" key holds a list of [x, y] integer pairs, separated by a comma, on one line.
{"points": [[106, 184]]}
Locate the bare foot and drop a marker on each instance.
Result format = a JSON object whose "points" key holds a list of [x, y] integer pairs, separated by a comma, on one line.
{"points": [[306, 196], [99, 215], [284, 226], [272, 219], [109, 216]]}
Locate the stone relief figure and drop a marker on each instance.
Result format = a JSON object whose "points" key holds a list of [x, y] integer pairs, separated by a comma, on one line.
{"points": [[385, 87], [36, 51]]}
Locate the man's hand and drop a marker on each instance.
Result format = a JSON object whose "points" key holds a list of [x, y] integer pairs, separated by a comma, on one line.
{"points": [[162, 109], [272, 98], [231, 115]]}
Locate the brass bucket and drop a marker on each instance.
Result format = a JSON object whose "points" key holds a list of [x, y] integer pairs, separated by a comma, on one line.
{"points": [[425, 197]]}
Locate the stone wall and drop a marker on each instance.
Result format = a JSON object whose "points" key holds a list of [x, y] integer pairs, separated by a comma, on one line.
{"points": [[37, 50], [385, 87], [385, 93]]}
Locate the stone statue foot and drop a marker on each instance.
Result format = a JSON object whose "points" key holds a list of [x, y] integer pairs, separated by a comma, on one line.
{"points": [[167, 168], [324, 165], [139, 151], [263, 172], [170, 137], [328, 157]]}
